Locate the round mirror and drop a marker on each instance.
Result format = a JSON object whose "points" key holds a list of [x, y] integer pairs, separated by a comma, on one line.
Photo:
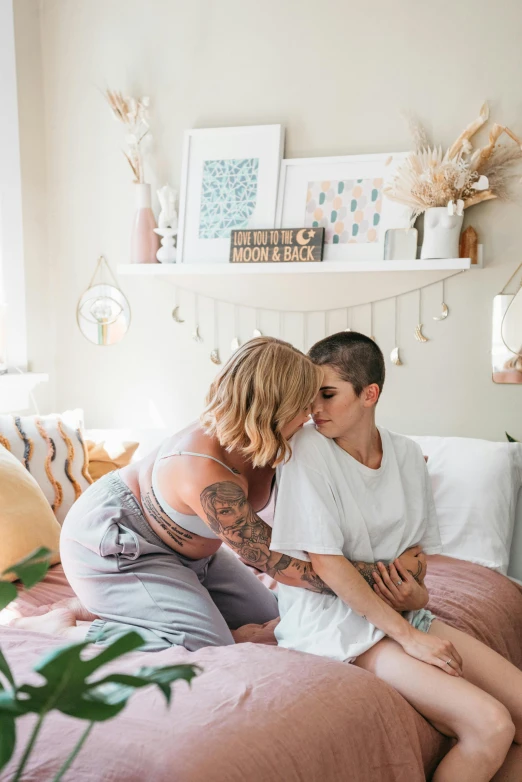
{"points": [[103, 314], [512, 324]]}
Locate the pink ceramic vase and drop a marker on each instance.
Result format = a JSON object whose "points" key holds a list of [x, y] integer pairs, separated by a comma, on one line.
{"points": [[144, 242]]}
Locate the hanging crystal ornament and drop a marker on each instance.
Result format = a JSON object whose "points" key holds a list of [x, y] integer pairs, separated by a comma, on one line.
{"points": [[235, 344], [445, 309], [196, 336], [175, 311], [419, 336], [394, 356], [214, 355], [103, 312]]}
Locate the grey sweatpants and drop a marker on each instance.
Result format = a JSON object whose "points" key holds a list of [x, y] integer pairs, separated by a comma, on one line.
{"points": [[123, 572]]}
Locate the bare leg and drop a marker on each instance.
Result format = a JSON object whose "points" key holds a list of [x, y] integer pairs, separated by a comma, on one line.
{"points": [[457, 708], [492, 673], [68, 618], [487, 670]]}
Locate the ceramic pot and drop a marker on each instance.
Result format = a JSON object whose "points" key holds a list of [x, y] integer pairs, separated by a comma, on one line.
{"points": [[441, 233]]}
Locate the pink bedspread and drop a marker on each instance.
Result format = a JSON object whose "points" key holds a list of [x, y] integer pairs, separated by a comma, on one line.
{"points": [[259, 712]]}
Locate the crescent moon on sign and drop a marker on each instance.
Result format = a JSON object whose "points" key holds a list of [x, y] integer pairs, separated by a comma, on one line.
{"points": [[395, 358], [444, 314], [299, 237], [419, 336], [175, 315]]}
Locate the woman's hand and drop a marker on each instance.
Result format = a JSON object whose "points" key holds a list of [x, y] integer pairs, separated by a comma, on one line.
{"points": [[434, 651], [414, 560], [398, 588]]}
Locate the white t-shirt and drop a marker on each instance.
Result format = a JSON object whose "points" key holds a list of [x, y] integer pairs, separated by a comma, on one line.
{"points": [[329, 503]]}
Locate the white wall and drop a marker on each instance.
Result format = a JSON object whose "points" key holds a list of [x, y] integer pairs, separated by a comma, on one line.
{"points": [[337, 74]]}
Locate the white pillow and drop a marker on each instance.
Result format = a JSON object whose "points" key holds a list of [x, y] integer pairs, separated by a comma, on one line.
{"points": [[475, 487], [51, 448]]}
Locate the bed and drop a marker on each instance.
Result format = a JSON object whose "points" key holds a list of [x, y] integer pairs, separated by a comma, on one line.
{"points": [[258, 712]]}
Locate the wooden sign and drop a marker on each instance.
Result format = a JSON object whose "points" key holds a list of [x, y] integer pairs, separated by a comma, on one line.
{"points": [[276, 245]]}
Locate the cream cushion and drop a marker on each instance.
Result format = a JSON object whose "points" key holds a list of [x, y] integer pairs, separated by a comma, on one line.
{"points": [[52, 449], [26, 519]]}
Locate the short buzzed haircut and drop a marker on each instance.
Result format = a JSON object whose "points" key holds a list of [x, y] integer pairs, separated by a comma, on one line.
{"points": [[356, 357]]}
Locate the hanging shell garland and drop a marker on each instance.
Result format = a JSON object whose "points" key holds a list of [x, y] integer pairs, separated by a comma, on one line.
{"points": [[257, 333], [235, 344], [444, 314], [196, 336], [175, 316], [214, 356], [395, 357], [419, 336]]}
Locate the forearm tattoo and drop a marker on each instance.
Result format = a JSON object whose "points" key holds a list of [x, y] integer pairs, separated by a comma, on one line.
{"points": [[231, 517], [418, 574], [173, 530]]}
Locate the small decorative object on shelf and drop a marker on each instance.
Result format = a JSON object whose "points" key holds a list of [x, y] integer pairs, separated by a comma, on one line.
{"points": [[277, 245], [468, 247], [400, 244], [133, 113], [167, 224], [429, 180], [442, 226]]}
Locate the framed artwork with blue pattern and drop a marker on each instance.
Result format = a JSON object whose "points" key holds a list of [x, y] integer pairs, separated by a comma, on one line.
{"points": [[229, 181], [343, 195]]}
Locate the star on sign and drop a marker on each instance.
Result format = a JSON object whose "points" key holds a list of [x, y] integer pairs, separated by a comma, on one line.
{"points": [[311, 234]]}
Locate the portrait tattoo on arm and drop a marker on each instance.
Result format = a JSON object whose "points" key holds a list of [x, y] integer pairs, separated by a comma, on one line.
{"points": [[231, 517]]}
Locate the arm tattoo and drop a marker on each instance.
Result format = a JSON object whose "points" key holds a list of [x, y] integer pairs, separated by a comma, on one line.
{"points": [[366, 569], [173, 530], [417, 575], [231, 518]]}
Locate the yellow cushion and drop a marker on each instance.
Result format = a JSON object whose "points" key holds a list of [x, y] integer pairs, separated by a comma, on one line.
{"points": [[104, 458], [26, 519]]}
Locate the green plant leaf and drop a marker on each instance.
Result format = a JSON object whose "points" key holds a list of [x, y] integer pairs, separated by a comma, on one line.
{"points": [[162, 677], [5, 669], [511, 439], [8, 593], [32, 568], [70, 689], [7, 739]]}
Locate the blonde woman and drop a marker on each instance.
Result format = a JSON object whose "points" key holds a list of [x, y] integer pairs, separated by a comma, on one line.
{"points": [[142, 547]]}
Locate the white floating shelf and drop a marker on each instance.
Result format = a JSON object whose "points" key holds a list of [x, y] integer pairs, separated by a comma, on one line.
{"points": [[323, 267]]}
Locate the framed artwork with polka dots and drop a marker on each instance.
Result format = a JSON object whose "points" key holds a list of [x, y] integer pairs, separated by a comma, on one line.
{"points": [[343, 195]]}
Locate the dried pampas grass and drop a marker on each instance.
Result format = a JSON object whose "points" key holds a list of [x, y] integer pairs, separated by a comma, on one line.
{"points": [[430, 178], [133, 113]]}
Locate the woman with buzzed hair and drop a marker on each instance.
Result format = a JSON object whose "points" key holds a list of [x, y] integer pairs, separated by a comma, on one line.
{"points": [[355, 491]]}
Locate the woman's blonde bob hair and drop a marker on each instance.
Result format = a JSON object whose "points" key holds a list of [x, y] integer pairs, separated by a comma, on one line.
{"points": [[263, 386]]}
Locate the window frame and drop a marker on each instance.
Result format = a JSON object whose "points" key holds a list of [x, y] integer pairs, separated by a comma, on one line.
{"points": [[12, 273]]}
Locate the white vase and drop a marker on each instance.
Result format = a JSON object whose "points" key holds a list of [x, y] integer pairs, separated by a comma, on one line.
{"points": [[441, 233], [144, 243], [167, 253]]}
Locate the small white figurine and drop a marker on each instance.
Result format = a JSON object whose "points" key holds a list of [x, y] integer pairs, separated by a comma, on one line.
{"points": [[167, 224]]}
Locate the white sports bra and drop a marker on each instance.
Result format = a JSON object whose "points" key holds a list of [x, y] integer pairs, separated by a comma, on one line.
{"points": [[195, 524]]}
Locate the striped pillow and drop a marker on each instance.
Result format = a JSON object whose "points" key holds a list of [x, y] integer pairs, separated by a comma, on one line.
{"points": [[52, 449]]}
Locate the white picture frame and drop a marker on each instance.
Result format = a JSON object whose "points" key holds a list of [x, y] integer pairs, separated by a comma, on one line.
{"points": [[294, 202], [249, 157]]}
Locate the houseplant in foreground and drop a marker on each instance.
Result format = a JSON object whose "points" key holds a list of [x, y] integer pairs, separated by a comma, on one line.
{"points": [[69, 684]]}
